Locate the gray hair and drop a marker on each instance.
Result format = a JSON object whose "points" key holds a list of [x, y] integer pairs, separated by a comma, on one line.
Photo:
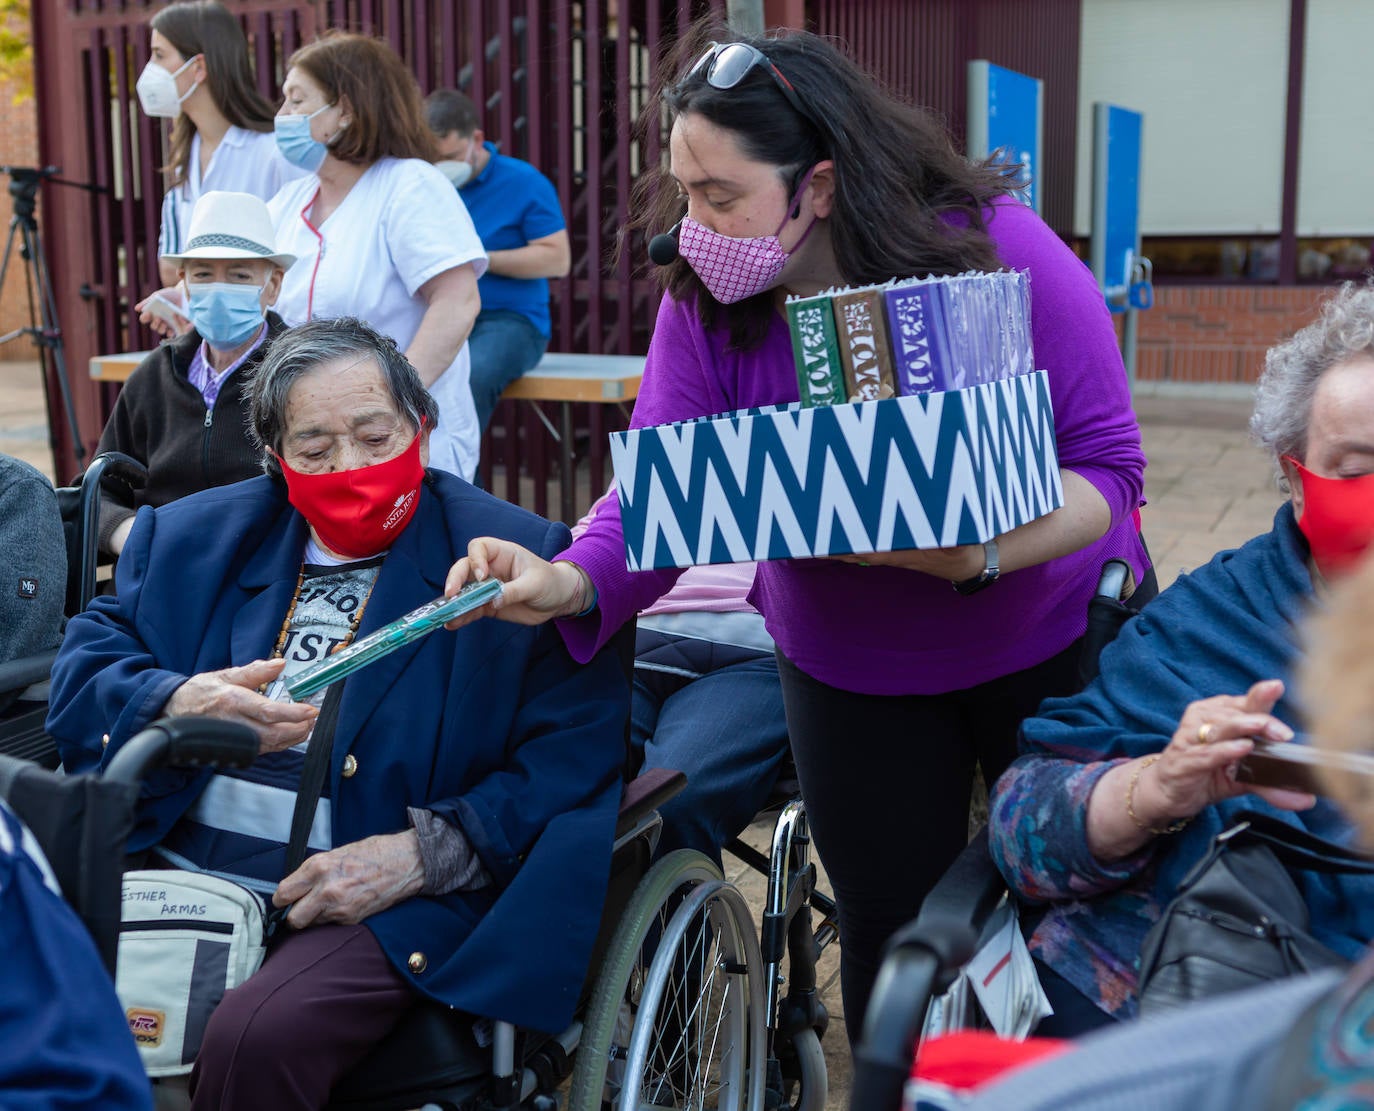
{"points": [[1283, 399], [309, 346]]}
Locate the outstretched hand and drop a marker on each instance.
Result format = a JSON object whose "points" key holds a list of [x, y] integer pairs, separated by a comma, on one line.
{"points": [[535, 590], [231, 694]]}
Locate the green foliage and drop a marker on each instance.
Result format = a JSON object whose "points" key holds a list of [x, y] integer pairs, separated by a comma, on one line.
{"points": [[16, 48]]}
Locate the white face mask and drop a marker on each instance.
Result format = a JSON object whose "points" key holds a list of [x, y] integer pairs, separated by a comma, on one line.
{"points": [[460, 170], [459, 173], [157, 90]]}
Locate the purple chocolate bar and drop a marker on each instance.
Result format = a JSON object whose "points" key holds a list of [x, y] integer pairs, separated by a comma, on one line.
{"points": [[915, 320]]}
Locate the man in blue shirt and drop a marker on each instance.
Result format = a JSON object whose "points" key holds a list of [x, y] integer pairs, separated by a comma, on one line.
{"points": [[518, 218]]}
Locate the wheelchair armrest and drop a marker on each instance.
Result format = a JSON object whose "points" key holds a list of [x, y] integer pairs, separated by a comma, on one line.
{"points": [[922, 959], [892, 1026], [958, 905], [189, 742], [24, 671], [645, 792]]}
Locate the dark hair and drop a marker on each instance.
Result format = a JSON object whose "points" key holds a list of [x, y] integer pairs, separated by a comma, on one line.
{"points": [[897, 173], [298, 351], [449, 110], [388, 118], [207, 28]]}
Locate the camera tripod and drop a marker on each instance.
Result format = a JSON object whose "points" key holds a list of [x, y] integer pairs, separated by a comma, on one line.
{"points": [[43, 324]]}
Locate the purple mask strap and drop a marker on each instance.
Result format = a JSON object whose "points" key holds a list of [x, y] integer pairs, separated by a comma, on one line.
{"points": [[792, 203]]}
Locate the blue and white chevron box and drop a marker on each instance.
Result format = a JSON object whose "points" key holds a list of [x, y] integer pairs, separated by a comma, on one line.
{"points": [[929, 470]]}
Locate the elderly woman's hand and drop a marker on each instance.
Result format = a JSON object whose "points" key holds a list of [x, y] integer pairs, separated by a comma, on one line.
{"points": [[353, 882], [535, 590], [232, 694], [1198, 767], [1140, 798]]}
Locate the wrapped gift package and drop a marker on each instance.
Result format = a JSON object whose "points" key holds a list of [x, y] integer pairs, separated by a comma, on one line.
{"points": [[925, 471]]}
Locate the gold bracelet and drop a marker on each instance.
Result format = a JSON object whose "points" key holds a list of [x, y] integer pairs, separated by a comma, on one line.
{"points": [[1130, 801]]}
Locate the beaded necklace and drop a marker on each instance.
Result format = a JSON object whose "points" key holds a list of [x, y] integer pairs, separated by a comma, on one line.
{"points": [[354, 620]]}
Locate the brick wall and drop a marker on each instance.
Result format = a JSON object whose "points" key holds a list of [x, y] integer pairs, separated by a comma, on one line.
{"points": [[1218, 333], [18, 147]]}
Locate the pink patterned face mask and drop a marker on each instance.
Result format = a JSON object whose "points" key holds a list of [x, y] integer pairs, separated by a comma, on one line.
{"points": [[732, 269]]}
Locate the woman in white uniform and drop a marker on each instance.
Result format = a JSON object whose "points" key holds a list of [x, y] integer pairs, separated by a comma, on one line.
{"points": [[379, 232], [200, 77]]}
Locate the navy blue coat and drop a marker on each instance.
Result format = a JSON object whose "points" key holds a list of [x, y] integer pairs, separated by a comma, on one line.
{"points": [[494, 727]]}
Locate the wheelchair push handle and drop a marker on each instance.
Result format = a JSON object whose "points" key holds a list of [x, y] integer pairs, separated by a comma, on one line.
{"points": [[112, 469], [1115, 573], [187, 742]]}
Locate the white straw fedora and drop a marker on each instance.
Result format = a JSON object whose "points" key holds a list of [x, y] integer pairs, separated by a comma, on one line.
{"points": [[231, 225]]}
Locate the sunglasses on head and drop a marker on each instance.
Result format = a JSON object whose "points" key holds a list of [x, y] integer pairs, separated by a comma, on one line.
{"points": [[726, 64]]}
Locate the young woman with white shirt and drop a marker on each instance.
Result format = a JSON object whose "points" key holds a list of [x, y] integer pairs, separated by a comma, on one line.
{"points": [[200, 77], [380, 233]]}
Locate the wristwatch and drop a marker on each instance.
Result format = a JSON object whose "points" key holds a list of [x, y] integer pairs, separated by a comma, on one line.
{"points": [[987, 576]]}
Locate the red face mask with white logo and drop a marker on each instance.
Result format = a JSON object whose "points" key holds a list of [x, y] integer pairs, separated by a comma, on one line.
{"points": [[359, 513]]}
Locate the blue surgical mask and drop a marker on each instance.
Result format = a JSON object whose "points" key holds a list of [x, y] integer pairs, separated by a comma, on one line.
{"points": [[295, 142], [226, 314]]}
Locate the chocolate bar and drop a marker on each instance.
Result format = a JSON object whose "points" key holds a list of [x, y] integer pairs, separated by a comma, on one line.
{"points": [[816, 349], [864, 347]]}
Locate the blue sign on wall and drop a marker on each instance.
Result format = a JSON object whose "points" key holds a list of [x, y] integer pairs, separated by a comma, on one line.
{"points": [[1122, 272], [1116, 203], [1116, 198], [1006, 113]]}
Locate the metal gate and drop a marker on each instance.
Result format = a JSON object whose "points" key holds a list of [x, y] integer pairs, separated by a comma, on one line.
{"points": [[561, 84]]}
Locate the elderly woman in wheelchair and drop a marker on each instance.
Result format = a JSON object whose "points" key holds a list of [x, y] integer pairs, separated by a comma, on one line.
{"points": [[472, 786], [1121, 789]]}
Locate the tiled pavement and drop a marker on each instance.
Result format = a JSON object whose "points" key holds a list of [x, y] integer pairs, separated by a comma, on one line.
{"points": [[1207, 488]]}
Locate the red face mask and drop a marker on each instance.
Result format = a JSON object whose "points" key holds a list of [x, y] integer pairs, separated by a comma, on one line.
{"points": [[359, 513], [1337, 518]]}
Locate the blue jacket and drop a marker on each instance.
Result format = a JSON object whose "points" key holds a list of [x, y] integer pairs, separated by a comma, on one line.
{"points": [[64, 1041], [1216, 631], [494, 728]]}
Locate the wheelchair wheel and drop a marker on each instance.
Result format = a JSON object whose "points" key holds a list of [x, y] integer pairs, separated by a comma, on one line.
{"points": [[804, 1073], [676, 1016]]}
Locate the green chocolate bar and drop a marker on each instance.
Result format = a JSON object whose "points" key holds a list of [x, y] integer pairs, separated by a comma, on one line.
{"points": [[816, 348], [414, 625]]}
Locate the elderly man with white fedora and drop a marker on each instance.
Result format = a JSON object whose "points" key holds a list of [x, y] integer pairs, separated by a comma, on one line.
{"points": [[183, 412]]}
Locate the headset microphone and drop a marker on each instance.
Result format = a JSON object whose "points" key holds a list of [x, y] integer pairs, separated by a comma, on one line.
{"points": [[663, 247]]}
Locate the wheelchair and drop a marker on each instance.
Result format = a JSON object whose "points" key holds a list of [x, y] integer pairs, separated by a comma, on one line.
{"points": [[682, 1005], [925, 957], [676, 1009], [21, 723]]}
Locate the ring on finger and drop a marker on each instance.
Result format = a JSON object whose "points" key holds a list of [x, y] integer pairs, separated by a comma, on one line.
{"points": [[1204, 733]]}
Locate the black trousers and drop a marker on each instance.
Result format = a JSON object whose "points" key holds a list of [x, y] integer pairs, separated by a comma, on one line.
{"points": [[887, 780]]}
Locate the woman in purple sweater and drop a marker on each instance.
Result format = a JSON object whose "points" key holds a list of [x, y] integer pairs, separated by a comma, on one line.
{"points": [[799, 173]]}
